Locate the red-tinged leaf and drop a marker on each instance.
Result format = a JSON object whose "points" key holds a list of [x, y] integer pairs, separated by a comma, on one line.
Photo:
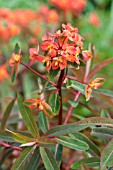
{"points": [[7, 113], [28, 117], [107, 156], [26, 153], [20, 138], [99, 66], [48, 159]]}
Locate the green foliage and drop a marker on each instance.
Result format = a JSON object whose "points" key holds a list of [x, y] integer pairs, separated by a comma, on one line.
{"points": [[43, 122], [48, 159], [28, 118], [54, 102]]}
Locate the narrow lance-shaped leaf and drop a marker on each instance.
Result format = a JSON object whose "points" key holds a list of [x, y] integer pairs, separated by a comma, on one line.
{"points": [[43, 122], [48, 159], [102, 132], [46, 142], [20, 138], [6, 136], [7, 113], [54, 102], [104, 113], [72, 143], [58, 153], [82, 124], [99, 66], [28, 118], [90, 162], [84, 138], [22, 158], [107, 156], [34, 160]]}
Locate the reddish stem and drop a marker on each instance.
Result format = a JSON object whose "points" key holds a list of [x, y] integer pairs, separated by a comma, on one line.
{"points": [[71, 108], [59, 85], [35, 72]]}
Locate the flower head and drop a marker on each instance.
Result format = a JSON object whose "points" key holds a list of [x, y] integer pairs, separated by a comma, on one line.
{"points": [[94, 84]]}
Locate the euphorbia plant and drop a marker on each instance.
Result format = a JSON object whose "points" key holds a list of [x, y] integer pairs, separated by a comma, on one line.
{"points": [[42, 145]]}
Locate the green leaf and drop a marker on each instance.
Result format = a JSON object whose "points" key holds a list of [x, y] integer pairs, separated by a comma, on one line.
{"points": [[26, 153], [28, 118], [48, 159], [105, 114], [52, 74], [7, 113], [46, 142], [85, 139], [75, 127], [34, 160], [58, 153], [20, 138], [73, 103], [102, 132], [6, 136], [107, 156], [68, 83], [13, 77], [72, 143], [54, 102], [43, 122], [90, 162], [81, 87], [17, 49]]}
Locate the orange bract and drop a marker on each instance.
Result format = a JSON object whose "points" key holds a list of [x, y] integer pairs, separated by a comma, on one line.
{"points": [[94, 84], [3, 73]]}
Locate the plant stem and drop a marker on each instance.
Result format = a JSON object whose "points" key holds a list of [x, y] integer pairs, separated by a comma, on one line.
{"points": [[71, 108], [35, 72], [59, 87]]}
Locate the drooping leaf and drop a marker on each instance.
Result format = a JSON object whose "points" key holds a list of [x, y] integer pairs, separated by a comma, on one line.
{"points": [[20, 138], [75, 127], [43, 122], [48, 159], [28, 118], [72, 143], [102, 132], [106, 159], [7, 113], [73, 103], [84, 138], [34, 160], [22, 158], [90, 162], [54, 102], [6, 136]]}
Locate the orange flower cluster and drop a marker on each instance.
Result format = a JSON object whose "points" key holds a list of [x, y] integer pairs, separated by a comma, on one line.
{"points": [[14, 22], [75, 6], [3, 73], [61, 49]]}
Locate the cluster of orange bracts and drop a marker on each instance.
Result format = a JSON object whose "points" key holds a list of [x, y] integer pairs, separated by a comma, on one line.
{"points": [[61, 49], [13, 22], [75, 6]]}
